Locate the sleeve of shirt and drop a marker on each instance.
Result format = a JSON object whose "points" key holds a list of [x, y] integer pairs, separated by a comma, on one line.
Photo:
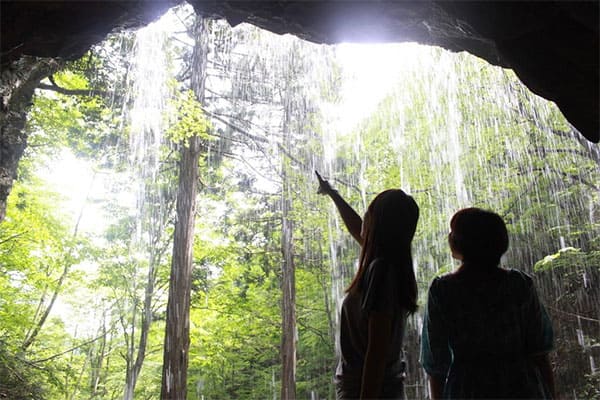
{"points": [[435, 353], [379, 291], [538, 332]]}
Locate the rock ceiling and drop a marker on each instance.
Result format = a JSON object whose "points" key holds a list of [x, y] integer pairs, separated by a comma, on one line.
{"points": [[552, 46]]}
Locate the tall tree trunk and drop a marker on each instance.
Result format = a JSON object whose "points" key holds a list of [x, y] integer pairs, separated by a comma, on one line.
{"points": [[134, 367], [177, 340], [17, 87], [288, 281], [96, 358]]}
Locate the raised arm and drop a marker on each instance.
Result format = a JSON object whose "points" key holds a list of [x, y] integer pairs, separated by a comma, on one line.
{"points": [[351, 219]]}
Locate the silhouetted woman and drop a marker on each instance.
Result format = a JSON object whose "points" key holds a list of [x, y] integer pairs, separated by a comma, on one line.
{"points": [[379, 299], [485, 332]]}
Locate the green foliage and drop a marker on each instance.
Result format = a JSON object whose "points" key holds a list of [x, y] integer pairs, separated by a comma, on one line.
{"points": [[70, 80], [189, 119], [32, 248], [18, 380], [39, 250], [591, 388], [462, 134], [568, 281], [234, 324], [568, 258], [81, 121], [36, 248]]}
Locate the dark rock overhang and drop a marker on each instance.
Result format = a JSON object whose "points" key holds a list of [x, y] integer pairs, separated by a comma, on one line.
{"points": [[552, 46]]}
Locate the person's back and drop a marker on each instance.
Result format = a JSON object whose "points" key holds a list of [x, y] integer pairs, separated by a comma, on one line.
{"points": [[494, 322], [485, 333], [380, 280]]}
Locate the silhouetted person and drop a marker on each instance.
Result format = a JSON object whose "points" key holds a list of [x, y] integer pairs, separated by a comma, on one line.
{"points": [[379, 299], [485, 332]]}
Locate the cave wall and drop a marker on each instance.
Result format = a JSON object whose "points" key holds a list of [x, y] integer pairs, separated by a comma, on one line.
{"points": [[553, 47]]}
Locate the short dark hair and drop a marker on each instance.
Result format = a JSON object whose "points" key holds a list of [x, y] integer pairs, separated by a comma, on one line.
{"points": [[479, 235]]}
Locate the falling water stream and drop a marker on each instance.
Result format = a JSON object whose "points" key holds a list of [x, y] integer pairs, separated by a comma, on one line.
{"points": [[149, 77], [147, 110], [448, 128], [459, 133]]}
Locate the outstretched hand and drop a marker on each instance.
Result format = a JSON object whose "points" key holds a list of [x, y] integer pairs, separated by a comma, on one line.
{"points": [[351, 219], [324, 186]]}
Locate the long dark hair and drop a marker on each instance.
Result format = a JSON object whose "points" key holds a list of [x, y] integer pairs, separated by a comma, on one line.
{"points": [[388, 229]]}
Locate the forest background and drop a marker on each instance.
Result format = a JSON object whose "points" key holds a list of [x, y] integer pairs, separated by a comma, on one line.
{"points": [[83, 295]]}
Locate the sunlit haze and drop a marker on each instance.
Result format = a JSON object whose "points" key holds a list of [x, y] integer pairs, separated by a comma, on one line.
{"points": [[369, 70]]}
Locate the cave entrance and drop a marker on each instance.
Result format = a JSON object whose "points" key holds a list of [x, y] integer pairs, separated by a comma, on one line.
{"points": [[261, 112]]}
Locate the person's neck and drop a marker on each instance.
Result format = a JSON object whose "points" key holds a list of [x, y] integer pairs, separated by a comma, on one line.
{"points": [[477, 268]]}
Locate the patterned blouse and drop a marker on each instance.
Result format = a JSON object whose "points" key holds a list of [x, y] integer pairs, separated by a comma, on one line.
{"points": [[479, 333]]}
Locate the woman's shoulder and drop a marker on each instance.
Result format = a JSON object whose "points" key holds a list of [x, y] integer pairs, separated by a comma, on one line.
{"points": [[518, 277], [512, 274], [520, 284], [443, 288], [447, 278], [442, 282]]}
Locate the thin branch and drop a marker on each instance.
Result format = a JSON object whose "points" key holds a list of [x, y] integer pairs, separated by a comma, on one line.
{"points": [[542, 150], [517, 198], [234, 126], [42, 360], [175, 38], [315, 331], [573, 314], [13, 237], [572, 177], [70, 92], [290, 156], [563, 134], [249, 165]]}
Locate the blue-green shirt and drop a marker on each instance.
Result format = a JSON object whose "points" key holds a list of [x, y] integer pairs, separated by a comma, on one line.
{"points": [[479, 333]]}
